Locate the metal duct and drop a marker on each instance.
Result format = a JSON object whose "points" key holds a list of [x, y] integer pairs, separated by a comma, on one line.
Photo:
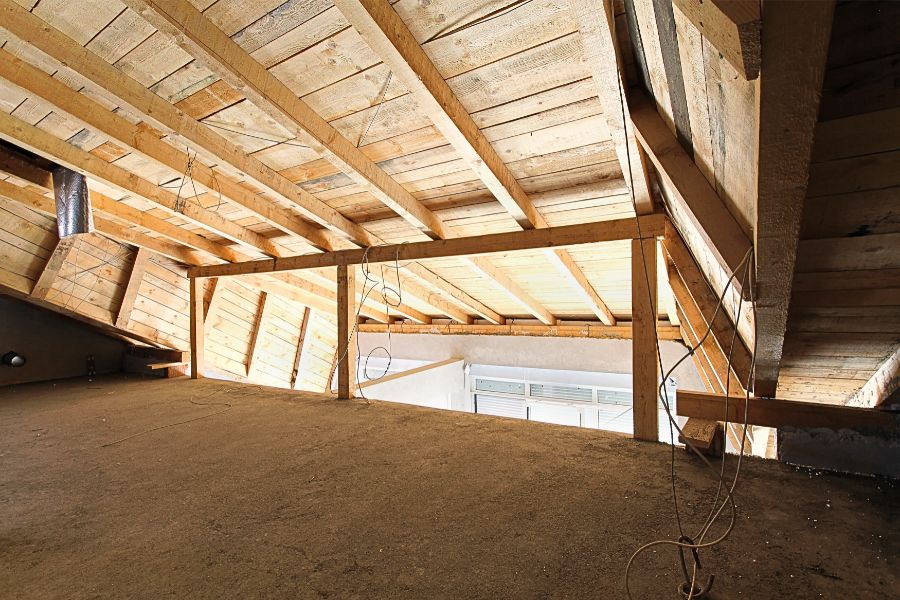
{"points": [[73, 203]]}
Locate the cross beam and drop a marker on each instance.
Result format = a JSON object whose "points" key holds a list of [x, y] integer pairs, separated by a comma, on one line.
{"points": [[645, 227]]}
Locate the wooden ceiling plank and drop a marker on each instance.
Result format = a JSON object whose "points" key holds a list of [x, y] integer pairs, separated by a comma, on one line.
{"points": [[788, 98], [596, 23], [387, 35]]}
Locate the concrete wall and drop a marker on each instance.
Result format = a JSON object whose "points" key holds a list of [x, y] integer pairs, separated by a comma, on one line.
{"points": [[575, 354], [54, 346]]}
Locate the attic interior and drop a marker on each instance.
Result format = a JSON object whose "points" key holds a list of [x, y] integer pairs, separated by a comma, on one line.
{"points": [[451, 299]]}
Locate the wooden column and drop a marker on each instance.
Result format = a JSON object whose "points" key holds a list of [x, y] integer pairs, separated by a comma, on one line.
{"points": [[197, 329], [645, 364], [346, 350]]}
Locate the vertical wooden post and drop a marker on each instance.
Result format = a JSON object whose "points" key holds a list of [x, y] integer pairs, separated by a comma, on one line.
{"points": [[132, 287], [645, 364], [197, 329], [346, 350], [304, 325]]}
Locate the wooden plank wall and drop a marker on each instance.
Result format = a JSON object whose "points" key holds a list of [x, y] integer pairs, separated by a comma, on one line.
{"points": [[845, 310], [711, 109], [91, 283]]}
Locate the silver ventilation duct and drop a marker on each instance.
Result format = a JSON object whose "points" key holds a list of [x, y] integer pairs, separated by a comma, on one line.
{"points": [[73, 203]]}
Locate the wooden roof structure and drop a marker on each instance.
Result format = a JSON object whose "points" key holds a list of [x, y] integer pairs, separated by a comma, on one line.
{"points": [[763, 137]]}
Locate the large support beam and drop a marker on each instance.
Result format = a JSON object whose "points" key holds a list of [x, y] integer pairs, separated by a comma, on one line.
{"points": [[346, 317], [52, 267], [596, 23], [702, 205], [561, 330], [882, 386], [645, 360], [648, 227], [132, 287], [197, 330], [301, 343], [789, 93], [387, 34], [766, 412], [732, 27]]}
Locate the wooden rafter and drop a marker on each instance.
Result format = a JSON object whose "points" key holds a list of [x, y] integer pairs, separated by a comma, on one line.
{"points": [[132, 287], [387, 34], [698, 301], [709, 214], [51, 269], [789, 93], [166, 116], [732, 27], [596, 24]]}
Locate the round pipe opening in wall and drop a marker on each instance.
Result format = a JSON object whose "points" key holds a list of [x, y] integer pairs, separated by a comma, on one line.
{"points": [[13, 359]]}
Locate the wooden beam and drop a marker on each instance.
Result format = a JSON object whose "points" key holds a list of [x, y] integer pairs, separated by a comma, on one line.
{"points": [[200, 38], [732, 27], [301, 340], [789, 93], [766, 412], [259, 325], [651, 226], [560, 330], [346, 317], [596, 22], [132, 287], [387, 34], [16, 164], [697, 299], [883, 384], [52, 267], [701, 360], [645, 360], [703, 206], [497, 277], [197, 330]]}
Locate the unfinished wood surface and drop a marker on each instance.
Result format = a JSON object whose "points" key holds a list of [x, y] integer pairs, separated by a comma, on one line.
{"points": [[198, 339], [570, 235], [54, 264], [561, 329], [301, 339], [257, 331], [133, 286], [770, 412], [644, 355], [346, 332], [732, 27], [788, 107]]}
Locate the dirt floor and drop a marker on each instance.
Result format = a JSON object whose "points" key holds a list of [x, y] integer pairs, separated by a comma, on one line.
{"points": [[260, 493]]}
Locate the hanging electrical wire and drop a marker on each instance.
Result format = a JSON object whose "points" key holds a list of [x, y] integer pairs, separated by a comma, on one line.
{"points": [[689, 589]]}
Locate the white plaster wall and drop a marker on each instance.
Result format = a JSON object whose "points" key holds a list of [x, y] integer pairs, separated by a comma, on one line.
{"points": [[576, 354], [440, 387]]}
